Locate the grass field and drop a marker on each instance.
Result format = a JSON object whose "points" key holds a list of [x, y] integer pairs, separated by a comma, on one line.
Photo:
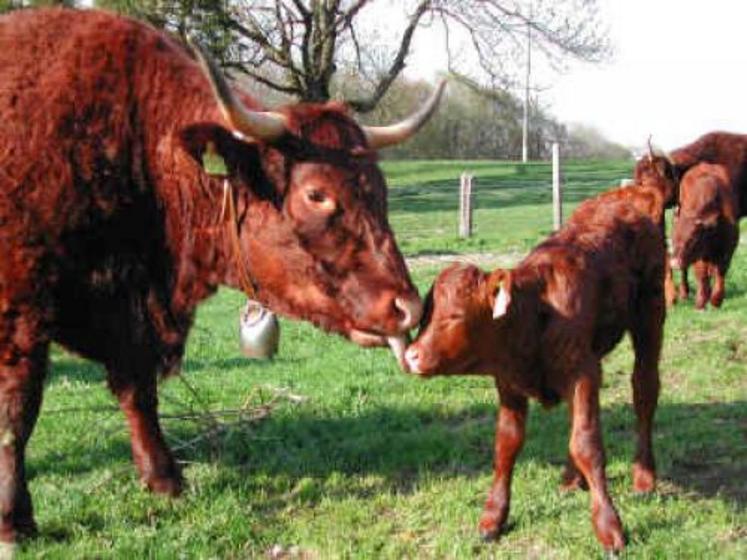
{"points": [[349, 458]]}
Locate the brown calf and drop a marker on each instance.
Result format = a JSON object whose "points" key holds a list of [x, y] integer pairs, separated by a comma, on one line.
{"points": [[541, 330], [706, 231]]}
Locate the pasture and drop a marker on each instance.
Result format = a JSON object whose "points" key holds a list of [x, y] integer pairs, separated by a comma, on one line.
{"points": [[330, 452]]}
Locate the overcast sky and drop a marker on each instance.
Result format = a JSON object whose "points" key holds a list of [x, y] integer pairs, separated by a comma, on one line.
{"points": [[679, 70]]}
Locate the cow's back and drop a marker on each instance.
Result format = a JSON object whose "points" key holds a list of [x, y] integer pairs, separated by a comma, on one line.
{"points": [[91, 214]]}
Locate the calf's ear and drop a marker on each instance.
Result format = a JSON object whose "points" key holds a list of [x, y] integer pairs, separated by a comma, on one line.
{"points": [[499, 290]]}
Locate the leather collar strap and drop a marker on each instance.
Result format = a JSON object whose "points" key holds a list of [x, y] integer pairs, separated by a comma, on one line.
{"points": [[232, 223]]}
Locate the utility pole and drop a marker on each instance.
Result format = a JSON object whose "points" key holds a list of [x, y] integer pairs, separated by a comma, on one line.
{"points": [[525, 127]]}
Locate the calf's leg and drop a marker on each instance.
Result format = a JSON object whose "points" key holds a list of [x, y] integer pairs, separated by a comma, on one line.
{"points": [[508, 442], [23, 365], [139, 401], [684, 289], [588, 455], [719, 286], [572, 479], [703, 280], [670, 292], [646, 332]]}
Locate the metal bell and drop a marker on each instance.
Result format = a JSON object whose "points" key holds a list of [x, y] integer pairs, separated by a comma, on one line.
{"points": [[259, 331]]}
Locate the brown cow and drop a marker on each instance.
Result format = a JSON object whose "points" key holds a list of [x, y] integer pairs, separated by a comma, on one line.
{"points": [[111, 232], [706, 231], [541, 330], [723, 148]]}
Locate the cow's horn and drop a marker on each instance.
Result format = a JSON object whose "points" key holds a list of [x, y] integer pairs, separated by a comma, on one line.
{"points": [[383, 136], [261, 125]]}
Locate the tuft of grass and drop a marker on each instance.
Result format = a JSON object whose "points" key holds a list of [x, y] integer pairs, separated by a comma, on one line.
{"points": [[372, 463]]}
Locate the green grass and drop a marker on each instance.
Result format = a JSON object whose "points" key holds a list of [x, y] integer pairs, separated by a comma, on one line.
{"points": [[372, 463]]}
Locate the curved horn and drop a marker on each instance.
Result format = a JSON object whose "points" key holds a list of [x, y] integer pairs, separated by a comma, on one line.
{"points": [[383, 136], [650, 149], [262, 125]]}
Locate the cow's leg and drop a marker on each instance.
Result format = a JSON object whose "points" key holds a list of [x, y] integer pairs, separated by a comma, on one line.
{"points": [[684, 290], [139, 401], [646, 332], [23, 365], [588, 455], [719, 286], [508, 442], [704, 284]]}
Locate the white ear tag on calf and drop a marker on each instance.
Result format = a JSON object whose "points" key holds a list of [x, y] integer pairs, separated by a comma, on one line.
{"points": [[502, 301]]}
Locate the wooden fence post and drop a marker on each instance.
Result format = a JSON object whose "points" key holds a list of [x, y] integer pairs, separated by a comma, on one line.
{"points": [[465, 205], [557, 194]]}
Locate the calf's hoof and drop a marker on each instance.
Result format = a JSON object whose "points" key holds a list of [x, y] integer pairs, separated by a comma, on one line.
{"points": [[168, 486], [716, 301], [571, 482], [644, 480], [490, 526], [609, 531], [170, 482]]}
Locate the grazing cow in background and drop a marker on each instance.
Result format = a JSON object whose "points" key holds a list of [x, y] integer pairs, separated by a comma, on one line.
{"points": [[541, 330], [111, 231], [706, 231], [722, 148]]}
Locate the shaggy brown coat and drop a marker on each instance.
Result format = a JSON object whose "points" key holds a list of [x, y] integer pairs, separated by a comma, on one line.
{"points": [[111, 232]]}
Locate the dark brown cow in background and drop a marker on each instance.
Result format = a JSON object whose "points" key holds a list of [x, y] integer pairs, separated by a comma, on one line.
{"points": [[541, 330], [706, 231], [111, 232], [721, 148]]}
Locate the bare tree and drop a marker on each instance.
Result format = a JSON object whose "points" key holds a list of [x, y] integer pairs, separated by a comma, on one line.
{"points": [[297, 46]]}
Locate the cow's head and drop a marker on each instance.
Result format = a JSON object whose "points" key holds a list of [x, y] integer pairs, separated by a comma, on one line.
{"points": [[312, 212], [697, 218], [656, 169], [458, 329]]}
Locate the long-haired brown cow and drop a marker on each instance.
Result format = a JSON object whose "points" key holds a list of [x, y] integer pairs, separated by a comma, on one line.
{"points": [[541, 330], [111, 232], [706, 231]]}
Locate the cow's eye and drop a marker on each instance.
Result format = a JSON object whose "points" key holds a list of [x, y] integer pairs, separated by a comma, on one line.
{"points": [[320, 202], [316, 196]]}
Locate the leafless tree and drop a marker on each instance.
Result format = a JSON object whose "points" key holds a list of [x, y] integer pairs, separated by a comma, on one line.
{"points": [[297, 46]]}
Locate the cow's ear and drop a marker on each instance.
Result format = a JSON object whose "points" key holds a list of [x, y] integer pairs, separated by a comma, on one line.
{"points": [[709, 220], [214, 148], [499, 292]]}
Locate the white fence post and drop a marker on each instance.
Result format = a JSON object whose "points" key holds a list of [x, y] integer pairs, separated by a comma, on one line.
{"points": [[557, 194], [465, 205]]}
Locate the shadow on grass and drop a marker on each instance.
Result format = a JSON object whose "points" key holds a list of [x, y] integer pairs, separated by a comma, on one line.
{"points": [[700, 448]]}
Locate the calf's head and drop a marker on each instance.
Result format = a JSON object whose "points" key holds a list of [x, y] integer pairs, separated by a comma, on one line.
{"points": [[463, 311], [657, 170], [313, 222], [698, 216]]}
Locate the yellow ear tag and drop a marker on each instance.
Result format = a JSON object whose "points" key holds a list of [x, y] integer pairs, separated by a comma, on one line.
{"points": [[212, 162]]}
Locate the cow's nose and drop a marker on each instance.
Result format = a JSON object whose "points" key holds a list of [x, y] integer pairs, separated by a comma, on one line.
{"points": [[675, 263], [409, 310], [412, 359]]}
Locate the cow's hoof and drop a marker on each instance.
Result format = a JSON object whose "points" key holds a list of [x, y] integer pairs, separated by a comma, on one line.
{"points": [[717, 301]]}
